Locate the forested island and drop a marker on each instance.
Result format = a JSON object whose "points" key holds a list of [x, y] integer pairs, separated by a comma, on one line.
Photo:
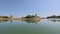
{"points": [[5, 18], [31, 17], [28, 17], [54, 16]]}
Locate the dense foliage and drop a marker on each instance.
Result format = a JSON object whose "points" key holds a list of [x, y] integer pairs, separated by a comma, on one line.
{"points": [[4, 17], [30, 16], [53, 16]]}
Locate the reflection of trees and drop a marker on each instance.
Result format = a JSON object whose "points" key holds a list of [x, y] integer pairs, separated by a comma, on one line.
{"points": [[55, 20], [3, 20], [31, 21], [11, 21]]}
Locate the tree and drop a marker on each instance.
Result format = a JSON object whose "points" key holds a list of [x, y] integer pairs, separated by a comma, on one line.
{"points": [[30, 16]]}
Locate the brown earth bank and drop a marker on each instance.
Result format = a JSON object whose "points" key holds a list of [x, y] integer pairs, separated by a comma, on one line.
{"points": [[36, 18], [28, 17]]}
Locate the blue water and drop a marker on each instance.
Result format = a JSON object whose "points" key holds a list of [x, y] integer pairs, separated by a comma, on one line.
{"points": [[44, 26]]}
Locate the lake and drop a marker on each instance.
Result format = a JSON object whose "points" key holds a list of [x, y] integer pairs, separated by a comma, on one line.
{"points": [[44, 26]]}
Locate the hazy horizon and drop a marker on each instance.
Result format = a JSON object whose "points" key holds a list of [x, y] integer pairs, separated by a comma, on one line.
{"points": [[19, 8]]}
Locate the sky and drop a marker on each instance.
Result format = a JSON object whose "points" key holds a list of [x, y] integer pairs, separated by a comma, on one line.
{"points": [[20, 8]]}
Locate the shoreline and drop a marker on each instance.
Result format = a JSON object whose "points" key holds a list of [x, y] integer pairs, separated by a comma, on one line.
{"points": [[20, 18]]}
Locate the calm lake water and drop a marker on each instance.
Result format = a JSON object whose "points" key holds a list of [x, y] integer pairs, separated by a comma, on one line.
{"points": [[44, 26]]}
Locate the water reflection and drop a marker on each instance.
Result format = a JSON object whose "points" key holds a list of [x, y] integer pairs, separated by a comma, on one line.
{"points": [[32, 21], [4, 20], [11, 21], [27, 21], [55, 20]]}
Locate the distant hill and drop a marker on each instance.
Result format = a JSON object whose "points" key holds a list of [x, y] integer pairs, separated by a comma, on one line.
{"points": [[4, 17], [31, 17], [53, 16]]}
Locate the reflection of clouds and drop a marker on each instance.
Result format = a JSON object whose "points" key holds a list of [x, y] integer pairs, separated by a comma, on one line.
{"points": [[31, 21]]}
